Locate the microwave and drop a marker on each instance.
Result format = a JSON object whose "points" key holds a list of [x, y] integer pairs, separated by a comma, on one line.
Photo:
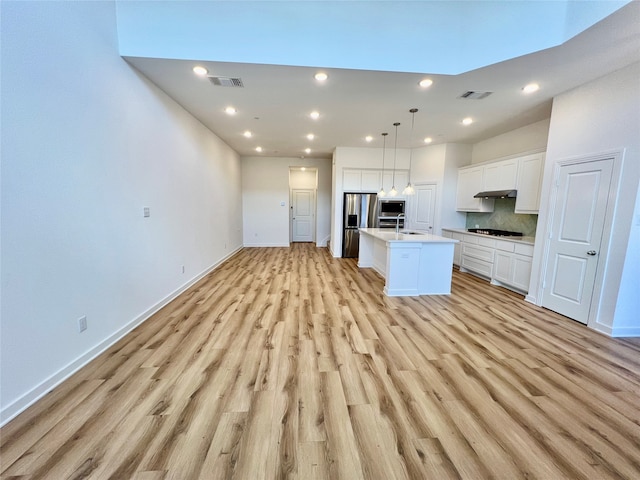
{"points": [[390, 208]]}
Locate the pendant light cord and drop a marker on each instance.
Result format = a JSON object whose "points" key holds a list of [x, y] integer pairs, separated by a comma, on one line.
{"points": [[395, 154]]}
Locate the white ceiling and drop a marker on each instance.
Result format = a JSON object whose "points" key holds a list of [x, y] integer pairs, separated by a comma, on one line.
{"points": [[276, 99]]}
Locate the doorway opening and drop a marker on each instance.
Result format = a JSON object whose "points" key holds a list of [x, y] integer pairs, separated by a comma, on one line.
{"points": [[303, 186]]}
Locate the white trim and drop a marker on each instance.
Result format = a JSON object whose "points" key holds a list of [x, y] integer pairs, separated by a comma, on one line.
{"points": [[266, 245], [19, 405], [617, 157], [323, 242]]}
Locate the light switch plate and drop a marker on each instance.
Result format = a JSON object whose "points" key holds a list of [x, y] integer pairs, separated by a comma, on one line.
{"points": [[146, 212]]}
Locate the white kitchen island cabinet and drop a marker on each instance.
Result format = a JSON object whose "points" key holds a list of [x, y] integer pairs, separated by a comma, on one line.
{"points": [[411, 263]]}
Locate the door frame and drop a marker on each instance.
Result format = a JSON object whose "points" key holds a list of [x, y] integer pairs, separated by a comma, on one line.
{"points": [[314, 208], [617, 156]]}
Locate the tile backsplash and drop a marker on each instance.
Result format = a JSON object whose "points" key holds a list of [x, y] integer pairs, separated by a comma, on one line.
{"points": [[503, 218]]}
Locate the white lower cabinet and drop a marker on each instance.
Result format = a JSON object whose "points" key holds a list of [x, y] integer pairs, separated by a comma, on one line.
{"points": [[477, 255], [504, 262], [512, 265], [457, 247]]}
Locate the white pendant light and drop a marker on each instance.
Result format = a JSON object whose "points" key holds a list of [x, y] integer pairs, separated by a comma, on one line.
{"points": [[408, 190], [393, 192], [382, 193]]}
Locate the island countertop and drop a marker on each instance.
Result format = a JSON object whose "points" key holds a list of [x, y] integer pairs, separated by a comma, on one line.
{"points": [[411, 263], [415, 236]]}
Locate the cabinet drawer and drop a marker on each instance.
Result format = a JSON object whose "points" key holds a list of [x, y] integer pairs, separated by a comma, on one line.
{"points": [[486, 242], [470, 239], [505, 246], [478, 252], [457, 236], [524, 249], [476, 265]]}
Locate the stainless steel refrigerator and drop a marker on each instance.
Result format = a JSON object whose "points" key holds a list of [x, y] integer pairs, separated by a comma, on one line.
{"points": [[360, 211]]}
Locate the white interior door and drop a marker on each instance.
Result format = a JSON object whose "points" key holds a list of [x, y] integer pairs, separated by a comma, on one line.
{"points": [[424, 207], [303, 215], [576, 234]]}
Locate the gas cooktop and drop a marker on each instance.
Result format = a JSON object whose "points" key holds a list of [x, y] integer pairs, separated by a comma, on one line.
{"points": [[494, 232]]}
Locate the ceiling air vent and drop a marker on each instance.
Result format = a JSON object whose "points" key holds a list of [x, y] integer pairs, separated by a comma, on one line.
{"points": [[226, 81], [471, 95]]}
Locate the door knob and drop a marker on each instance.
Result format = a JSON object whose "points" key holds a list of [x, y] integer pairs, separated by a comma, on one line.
{"points": [[591, 252]]}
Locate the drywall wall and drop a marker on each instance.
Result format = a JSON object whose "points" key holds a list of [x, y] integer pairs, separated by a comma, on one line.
{"points": [[602, 117], [87, 142], [528, 139], [439, 164], [265, 200]]}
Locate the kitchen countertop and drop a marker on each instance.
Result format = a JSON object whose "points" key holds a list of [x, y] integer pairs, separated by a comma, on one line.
{"points": [[390, 235], [527, 240]]}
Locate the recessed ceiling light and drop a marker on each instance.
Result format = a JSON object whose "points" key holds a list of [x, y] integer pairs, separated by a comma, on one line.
{"points": [[532, 87], [307, 150], [248, 134], [258, 149], [315, 115], [198, 70], [230, 110], [303, 169], [368, 138], [425, 83], [310, 136], [321, 76], [467, 121], [428, 140]]}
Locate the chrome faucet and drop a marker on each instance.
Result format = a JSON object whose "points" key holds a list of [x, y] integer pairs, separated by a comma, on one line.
{"points": [[400, 215]]}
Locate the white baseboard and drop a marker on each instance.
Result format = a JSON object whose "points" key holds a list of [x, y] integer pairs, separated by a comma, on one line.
{"points": [[258, 245], [25, 401]]}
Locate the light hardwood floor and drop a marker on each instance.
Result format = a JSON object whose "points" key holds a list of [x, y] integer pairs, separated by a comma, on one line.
{"points": [[288, 363]]}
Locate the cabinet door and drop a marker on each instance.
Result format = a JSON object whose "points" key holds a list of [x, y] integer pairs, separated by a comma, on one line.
{"points": [[530, 173], [500, 175], [521, 272], [371, 180], [351, 180], [470, 182], [399, 180], [502, 268]]}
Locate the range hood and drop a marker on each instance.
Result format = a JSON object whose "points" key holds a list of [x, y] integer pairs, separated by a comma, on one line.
{"points": [[497, 194]]}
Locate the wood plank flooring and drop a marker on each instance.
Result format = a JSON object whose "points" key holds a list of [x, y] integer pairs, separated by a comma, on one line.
{"points": [[290, 364]]}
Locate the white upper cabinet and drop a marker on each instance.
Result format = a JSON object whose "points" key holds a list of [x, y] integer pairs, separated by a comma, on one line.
{"points": [[500, 175], [530, 170], [370, 180], [470, 182], [523, 174], [351, 180], [401, 179]]}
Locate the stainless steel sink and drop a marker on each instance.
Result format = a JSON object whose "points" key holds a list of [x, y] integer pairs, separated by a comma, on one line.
{"points": [[408, 232]]}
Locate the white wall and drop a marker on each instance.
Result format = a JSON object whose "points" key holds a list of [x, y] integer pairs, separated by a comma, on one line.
{"points": [[265, 186], [528, 139], [598, 117], [86, 143], [439, 164]]}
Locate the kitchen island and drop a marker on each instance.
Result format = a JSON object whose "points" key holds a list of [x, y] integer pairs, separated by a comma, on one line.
{"points": [[411, 262]]}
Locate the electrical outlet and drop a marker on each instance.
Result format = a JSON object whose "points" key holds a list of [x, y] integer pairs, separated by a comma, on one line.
{"points": [[82, 323], [146, 211]]}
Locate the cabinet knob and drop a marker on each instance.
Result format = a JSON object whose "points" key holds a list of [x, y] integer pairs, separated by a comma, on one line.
{"points": [[591, 252]]}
